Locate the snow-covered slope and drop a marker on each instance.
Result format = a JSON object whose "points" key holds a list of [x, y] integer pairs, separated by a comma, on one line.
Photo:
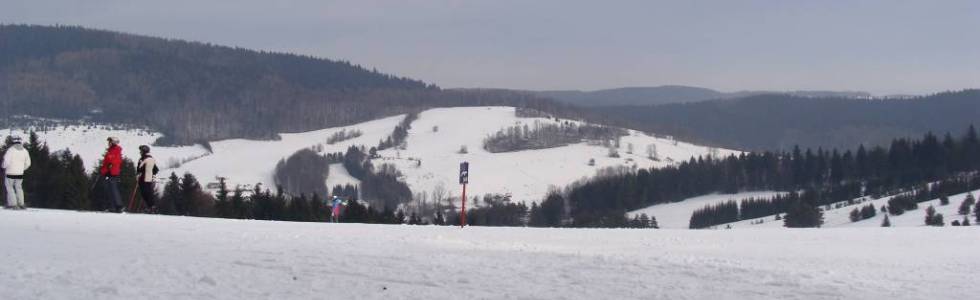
{"points": [[526, 175], [840, 217], [678, 214], [72, 255]]}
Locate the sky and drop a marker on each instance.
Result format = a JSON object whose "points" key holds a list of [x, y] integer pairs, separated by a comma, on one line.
{"points": [[883, 47]]}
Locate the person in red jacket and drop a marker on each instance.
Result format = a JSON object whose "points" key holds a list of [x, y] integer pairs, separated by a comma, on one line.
{"points": [[111, 167]]}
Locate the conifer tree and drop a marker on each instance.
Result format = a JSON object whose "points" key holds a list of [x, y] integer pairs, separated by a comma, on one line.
{"points": [[803, 215], [967, 204], [171, 195], [930, 216], [885, 222], [855, 215], [976, 213]]}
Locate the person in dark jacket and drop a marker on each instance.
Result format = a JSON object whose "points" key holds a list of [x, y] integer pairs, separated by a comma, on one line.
{"points": [[146, 171], [111, 167]]}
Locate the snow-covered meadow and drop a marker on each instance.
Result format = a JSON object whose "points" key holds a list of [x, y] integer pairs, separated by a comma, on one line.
{"points": [[72, 255]]}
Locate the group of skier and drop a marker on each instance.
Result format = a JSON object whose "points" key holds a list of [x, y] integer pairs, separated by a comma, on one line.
{"points": [[111, 169], [16, 161]]}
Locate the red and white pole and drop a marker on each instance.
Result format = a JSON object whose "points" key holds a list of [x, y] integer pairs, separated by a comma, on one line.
{"points": [[464, 178], [462, 214]]}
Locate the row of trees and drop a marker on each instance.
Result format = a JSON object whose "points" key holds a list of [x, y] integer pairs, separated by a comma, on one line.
{"points": [[825, 177], [381, 189], [541, 136], [777, 122], [863, 213], [343, 135], [398, 135], [907, 199]]}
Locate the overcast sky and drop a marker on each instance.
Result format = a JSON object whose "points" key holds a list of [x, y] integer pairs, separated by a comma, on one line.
{"points": [[883, 47]]}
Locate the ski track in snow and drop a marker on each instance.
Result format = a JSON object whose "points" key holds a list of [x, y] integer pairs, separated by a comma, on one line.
{"points": [[70, 255]]}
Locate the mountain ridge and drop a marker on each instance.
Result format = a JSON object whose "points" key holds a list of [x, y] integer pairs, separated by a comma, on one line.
{"points": [[667, 94], [194, 92]]}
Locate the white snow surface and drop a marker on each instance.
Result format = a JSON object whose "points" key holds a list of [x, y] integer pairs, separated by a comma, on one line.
{"points": [[840, 217], [526, 175], [678, 214], [50, 254], [340, 176]]}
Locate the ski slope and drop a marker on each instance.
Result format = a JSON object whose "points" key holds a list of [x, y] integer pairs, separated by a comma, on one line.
{"points": [[71, 255], [678, 214], [526, 175]]}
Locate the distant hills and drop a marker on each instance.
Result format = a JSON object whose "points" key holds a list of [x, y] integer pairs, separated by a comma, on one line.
{"points": [[673, 94], [780, 121], [195, 92]]}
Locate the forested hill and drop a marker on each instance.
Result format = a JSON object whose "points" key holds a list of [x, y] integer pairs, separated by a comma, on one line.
{"points": [[778, 122], [674, 94], [195, 92]]}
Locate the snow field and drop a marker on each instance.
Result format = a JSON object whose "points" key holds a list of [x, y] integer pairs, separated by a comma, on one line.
{"points": [[70, 255]]}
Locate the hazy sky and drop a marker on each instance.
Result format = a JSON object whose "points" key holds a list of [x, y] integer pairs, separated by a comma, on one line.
{"points": [[879, 46]]}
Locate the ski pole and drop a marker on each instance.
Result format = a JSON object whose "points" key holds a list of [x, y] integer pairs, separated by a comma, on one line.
{"points": [[133, 197], [94, 183]]}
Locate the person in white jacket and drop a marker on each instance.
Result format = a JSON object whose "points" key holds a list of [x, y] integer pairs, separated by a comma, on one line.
{"points": [[15, 162]]}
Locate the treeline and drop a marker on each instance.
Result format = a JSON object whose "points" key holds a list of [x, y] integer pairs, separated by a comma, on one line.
{"points": [[713, 214], [381, 189], [306, 171], [805, 209], [541, 136], [343, 135], [777, 122], [303, 171], [195, 92], [824, 176], [910, 199], [398, 135]]}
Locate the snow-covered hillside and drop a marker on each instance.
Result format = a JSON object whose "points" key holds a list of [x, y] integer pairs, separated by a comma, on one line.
{"points": [[72, 255], [526, 175], [840, 217], [678, 214]]}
